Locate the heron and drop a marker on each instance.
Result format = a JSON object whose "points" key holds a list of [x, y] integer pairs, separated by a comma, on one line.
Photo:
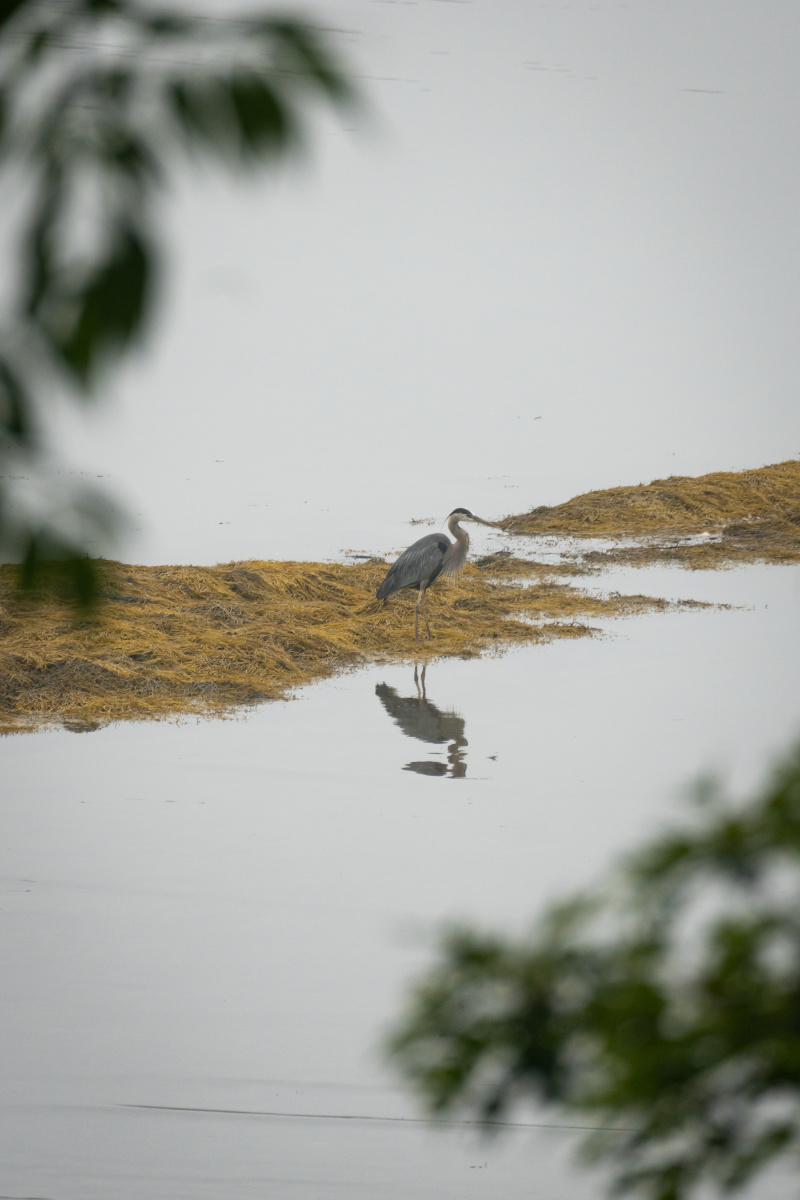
{"points": [[433, 555]]}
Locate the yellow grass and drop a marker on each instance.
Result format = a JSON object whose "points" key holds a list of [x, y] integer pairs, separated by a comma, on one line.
{"points": [[755, 513], [182, 639]]}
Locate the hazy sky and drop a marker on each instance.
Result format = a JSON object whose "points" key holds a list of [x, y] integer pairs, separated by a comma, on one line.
{"points": [[562, 254]]}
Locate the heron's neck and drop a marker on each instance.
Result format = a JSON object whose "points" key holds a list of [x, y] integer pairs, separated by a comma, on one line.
{"points": [[461, 536]]}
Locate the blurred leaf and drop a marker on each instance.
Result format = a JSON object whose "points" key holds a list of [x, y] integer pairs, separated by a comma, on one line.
{"points": [[60, 568], [115, 83], [15, 406], [131, 155], [312, 59], [102, 130], [110, 307], [39, 257], [263, 121], [167, 24], [106, 6], [676, 1028], [37, 45], [8, 8], [199, 106]]}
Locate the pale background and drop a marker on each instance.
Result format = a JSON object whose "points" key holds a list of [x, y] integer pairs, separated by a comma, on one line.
{"points": [[561, 253]]}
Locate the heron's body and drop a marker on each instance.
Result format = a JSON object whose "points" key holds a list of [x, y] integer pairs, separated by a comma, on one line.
{"points": [[423, 562]]}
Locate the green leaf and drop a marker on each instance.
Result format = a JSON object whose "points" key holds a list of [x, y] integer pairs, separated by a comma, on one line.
{"points": [[116, 84], [245, 106], [37, 46], [38, 250], [263, 122], [310, 56], [105, 7], [167, 24], [15, 406], [8, 8], [56, 566], [680, 1036], [132, 156], [110, 308], [238, 117], [201, 113]]}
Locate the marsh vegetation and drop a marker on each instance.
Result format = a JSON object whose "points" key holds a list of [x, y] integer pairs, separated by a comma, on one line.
{"points": [[170, 640], [724, 518]]}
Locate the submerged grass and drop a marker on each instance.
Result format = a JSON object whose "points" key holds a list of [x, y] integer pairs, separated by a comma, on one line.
{"points": [[180, 639], [751, 516]]}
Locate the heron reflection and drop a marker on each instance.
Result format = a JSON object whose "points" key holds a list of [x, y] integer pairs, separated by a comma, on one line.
{"points": [[418, 717]]}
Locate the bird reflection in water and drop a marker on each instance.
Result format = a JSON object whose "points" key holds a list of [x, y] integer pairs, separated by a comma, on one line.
{"points": [[419, 718]]}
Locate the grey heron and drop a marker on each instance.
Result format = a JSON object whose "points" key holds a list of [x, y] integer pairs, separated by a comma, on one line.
{"points": [[423, 562]]}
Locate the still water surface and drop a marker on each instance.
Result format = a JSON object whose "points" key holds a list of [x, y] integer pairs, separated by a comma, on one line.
{"points": [[206, 925]]}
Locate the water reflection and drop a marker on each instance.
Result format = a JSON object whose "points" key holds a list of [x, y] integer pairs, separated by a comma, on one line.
{"points": [[418, 717]]}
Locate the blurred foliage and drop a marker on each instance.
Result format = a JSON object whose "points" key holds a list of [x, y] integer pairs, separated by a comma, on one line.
{"points": [[666, 1007], [98, 98]]}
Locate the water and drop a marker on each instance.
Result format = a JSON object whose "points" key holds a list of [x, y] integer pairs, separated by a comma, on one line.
{"points": [[207, 925]]}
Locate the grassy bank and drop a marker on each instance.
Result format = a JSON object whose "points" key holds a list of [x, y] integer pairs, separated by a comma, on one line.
{"points": [[172, 640], [750, 516]]}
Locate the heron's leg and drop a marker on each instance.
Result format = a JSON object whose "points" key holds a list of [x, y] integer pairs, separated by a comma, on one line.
{"points": [[423, 595], [424, 669], [416, 616]]}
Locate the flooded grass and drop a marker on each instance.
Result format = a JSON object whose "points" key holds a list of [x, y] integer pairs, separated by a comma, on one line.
{"points": [[179, 639], [745, 517]]}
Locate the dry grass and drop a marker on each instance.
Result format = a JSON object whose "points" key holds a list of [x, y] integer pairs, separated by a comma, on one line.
{"points": [[756, 515], [172, 640]]}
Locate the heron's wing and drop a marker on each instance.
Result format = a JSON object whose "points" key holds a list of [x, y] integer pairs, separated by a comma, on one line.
{"points": [[421, 562]]}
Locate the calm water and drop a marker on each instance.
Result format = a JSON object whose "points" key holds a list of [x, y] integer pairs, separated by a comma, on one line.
{"points": [[206, 925]]}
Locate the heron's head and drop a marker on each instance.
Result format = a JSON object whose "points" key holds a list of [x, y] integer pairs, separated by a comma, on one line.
{"points": [[463, 514]]}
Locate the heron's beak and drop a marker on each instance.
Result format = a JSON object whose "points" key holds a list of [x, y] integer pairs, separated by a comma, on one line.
{"points": [[480, 521]]}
